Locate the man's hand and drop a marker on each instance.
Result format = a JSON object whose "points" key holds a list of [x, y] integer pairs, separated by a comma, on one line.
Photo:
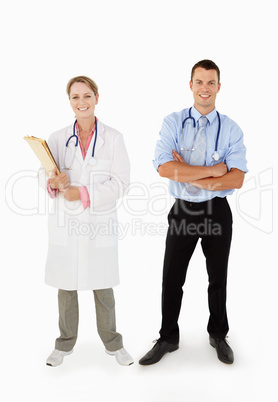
{"points": [[216, 171], [219, 169], [177, 157], [58, 181]]}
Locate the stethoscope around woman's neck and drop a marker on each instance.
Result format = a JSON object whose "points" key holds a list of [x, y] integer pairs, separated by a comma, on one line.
{"points": [[92, 160], [215, 156]]}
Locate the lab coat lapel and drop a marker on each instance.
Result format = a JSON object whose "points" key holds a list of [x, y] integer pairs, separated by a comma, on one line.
{"points": [[78, 154]]}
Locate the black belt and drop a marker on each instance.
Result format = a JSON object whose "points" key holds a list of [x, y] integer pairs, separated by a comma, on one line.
{"points": [[201, 205]]}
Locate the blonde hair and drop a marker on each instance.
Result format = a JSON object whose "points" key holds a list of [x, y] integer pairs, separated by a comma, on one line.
{"points": [[86, 80]]}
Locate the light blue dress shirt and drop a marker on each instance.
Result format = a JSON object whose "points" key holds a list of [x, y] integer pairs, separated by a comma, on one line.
{"points": [[231, 149]]}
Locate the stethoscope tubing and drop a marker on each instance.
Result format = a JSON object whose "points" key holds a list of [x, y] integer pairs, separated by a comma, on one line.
{"points": [[76, 139], [215, 156]]}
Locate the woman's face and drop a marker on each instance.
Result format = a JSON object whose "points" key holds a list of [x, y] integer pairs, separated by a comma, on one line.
{"points": [[82, 100]]}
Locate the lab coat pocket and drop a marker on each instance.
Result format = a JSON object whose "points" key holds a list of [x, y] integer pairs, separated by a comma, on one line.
{"points": [[209, 157], [100, 172]]}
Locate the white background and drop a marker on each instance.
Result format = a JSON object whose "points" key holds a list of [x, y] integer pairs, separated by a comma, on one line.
{"points": [[140, 53]]}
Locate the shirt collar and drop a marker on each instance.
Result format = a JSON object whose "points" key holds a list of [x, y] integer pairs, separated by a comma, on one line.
{"points": [[211, 116], [77, 131]]}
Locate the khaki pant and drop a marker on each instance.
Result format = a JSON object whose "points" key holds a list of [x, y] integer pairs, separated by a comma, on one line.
{"points": [[105, 314]]}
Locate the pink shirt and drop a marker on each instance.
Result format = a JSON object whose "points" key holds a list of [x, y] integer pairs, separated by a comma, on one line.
{"points": [[83, 191]]}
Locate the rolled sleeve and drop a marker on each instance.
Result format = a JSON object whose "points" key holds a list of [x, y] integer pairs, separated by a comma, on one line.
{"points": [[52, 192], [236, 156], [84, 197], [166, 143]]}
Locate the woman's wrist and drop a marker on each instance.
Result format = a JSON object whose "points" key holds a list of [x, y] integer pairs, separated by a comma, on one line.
{"points": [[52, 183]]}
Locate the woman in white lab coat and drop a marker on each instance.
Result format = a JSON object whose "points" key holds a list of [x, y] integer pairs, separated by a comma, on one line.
{"points": [[83, 252]]}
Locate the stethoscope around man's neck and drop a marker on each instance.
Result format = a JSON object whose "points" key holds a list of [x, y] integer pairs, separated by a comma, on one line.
{"points": [[92, 160], [215, 156]]}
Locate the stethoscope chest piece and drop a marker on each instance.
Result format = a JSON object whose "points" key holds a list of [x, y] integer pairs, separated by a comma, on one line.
{"points": [[215, 156], [92, 161]]}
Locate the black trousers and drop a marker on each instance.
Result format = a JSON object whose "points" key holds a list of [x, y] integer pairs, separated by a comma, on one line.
{"points": [[210, 221]]}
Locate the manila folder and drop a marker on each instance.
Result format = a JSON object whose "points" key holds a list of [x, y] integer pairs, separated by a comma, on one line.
{"points": [[43, 152]]}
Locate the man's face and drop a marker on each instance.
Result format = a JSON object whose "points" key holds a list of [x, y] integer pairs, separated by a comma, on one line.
{"points": [[205, 87]]}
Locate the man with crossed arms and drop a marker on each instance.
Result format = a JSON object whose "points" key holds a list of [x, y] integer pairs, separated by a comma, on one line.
{"points": [[202, 170]]}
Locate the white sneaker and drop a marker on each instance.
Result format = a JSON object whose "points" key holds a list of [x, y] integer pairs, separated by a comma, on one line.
{"points": [[122, 357], [56, 357]]}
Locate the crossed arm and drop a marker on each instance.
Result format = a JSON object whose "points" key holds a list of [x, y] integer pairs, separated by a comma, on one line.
{"points": [[215, 178]]}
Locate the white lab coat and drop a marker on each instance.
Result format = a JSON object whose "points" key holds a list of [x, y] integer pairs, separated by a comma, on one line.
{"points": [[83, 249]]}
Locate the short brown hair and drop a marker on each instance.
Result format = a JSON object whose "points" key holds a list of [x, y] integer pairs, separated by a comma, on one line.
{"points": [[86, 80], [207, 65]]}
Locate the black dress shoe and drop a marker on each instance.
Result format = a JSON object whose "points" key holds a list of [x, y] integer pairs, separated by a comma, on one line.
{"points": [[157, 352], [224, 352]]}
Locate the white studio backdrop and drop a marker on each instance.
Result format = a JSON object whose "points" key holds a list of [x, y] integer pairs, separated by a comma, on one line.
{"points": [[140, 53]]}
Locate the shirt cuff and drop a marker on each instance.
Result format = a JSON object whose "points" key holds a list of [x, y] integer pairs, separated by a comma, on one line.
{"points": [[51, 191], [160, 161], [84, 197]]}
